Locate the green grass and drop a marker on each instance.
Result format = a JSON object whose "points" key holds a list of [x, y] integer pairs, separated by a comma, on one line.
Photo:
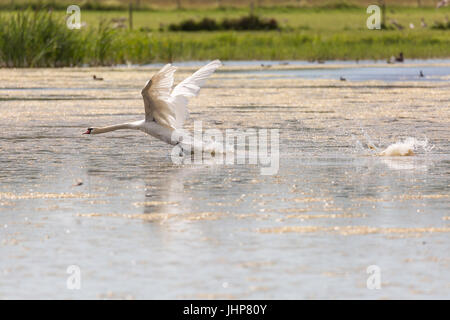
{"points": [[40, 39], [35, 39], [299, 45], [315, 19]]}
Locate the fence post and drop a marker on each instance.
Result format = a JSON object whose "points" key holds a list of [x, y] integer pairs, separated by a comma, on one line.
{"points": [[383, 13], [130, 16]]}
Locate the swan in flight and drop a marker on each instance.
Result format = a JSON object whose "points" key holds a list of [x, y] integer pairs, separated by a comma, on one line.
{"points": [[165, 111]]}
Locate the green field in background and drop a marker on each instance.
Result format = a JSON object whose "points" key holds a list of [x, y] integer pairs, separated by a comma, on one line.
{"points": [[307, 34], [310, 19]]}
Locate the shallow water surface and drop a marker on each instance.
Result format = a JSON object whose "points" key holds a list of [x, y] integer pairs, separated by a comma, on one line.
{"points": [[139, 226]]}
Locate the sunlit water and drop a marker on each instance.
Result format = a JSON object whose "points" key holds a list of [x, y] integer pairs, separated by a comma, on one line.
{"points": [[139, 226]]}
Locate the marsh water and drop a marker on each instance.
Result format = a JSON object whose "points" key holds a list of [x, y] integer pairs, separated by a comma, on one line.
{"points": [[138, 226]]}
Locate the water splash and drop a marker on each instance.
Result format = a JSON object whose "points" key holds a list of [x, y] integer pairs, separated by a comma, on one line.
{"points": [[407, 147], [364, 145]]}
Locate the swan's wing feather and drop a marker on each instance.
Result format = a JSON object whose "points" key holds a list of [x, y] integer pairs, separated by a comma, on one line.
{"points": [[156, 94], [189, 87]]}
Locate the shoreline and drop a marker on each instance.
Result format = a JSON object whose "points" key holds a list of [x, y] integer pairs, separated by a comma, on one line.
{"points": [[251, 65]]}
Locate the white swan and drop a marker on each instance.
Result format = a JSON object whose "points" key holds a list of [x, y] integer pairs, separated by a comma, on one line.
{"points": [[165, 111]]}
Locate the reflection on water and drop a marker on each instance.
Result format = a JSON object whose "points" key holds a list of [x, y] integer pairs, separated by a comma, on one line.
{"points": [[140, 226], [406, 164]]}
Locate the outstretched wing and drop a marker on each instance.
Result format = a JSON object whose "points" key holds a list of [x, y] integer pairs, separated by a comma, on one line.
{"points": [[156, 93], [189, 87], [170, 110]]}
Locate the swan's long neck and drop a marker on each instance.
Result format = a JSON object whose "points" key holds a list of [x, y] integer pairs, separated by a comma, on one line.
{"points": [[115, 127]]}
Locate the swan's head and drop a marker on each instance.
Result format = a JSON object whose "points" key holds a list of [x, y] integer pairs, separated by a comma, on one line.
{"points": [[89, 131]]}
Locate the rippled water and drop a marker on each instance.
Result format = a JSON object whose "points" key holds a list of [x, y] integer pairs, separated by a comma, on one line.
{"points": [[139, 226]]}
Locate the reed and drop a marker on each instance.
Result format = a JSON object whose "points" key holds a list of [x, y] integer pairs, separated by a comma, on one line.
{"points": [[41, 39], [37, 39]]}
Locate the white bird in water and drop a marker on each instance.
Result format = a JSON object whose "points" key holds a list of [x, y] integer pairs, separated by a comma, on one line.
{"points": [[166, 111]]}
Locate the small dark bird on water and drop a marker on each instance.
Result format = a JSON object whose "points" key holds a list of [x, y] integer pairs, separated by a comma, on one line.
{"points": [[78, 183], [399, 58], [421, 74], [342, 79], [96, 78]]}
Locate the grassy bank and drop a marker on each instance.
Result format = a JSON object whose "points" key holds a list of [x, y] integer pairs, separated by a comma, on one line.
{"points": [[299, 45], [41, 39]]}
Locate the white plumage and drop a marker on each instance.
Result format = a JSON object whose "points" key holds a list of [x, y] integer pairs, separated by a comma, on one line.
{"points": [[166, 111], [170, 109]]}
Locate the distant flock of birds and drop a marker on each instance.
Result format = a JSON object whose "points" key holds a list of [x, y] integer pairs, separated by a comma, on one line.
{"points": [[423, 24], [393, 59]]}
